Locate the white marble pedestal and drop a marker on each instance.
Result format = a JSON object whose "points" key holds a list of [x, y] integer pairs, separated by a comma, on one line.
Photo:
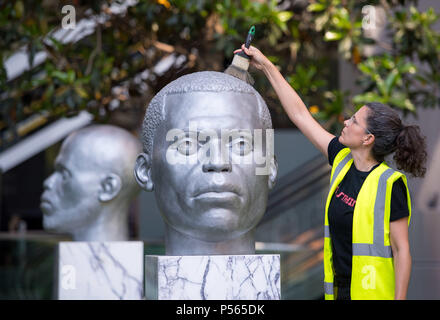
{"points": [[100, 270], [218, 277]]}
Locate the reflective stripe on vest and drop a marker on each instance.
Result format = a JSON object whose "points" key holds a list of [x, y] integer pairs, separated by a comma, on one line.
{"points": [[326, 231], [339, 167], [328, 288]]}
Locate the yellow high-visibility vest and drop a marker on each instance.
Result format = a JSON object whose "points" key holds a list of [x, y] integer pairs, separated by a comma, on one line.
{"points": [[372, 274]]}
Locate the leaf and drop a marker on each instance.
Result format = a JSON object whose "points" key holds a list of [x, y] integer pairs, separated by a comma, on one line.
{"points": [[58, 45], [332, 36], [387, 62], [408, 68], [321, 21], [367, 97], [400, 100], [341, 20], [391, 80], [316, 7], [81, 92], [409, 105], [70, 76], [345, 45], [381, 86], [285, 15], [60, 75], [364, 68]]}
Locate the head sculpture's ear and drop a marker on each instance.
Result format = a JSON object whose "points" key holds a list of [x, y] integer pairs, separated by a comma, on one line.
{"points": [[142, 172], [111, 185], [273, 171]]}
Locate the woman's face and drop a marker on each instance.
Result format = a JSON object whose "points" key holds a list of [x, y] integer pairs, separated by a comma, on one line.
{"points": [[355, 129]]}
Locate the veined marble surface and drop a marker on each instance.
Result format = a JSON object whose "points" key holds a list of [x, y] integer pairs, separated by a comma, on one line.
{"points": [[100, 270], [222, 277]]}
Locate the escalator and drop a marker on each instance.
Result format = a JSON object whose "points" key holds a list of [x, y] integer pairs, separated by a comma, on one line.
{"points": [[293, 227]]}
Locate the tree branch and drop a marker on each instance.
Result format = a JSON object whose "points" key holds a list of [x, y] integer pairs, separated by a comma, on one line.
{"points": [[95, 51]]}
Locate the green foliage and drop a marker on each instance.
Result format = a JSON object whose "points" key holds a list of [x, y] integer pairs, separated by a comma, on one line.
{"points": [[306, 80], [389, 77], [107, 68], [387, 73]]}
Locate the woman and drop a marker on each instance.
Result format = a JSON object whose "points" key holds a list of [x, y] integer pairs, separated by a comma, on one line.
{"points": [[366, 248]]}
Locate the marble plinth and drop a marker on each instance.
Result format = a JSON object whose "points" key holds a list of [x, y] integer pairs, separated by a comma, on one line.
{"points": [[100, 270], [219, 277]]}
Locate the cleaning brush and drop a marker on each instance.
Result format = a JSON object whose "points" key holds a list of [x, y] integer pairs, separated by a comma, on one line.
{"points": [[240, 64]]}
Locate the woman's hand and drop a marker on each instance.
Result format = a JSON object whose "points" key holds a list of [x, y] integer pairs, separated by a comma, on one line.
{"points": [[258, 59]]}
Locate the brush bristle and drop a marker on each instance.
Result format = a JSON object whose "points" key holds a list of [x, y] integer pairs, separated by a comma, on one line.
{"points": [[240, 74], [240, 62], [239, 68]]}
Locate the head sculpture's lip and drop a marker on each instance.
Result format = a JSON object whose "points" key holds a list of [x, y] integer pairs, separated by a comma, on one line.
{"points": [[217, 196], [45, 203], [44, 199], [217, 191]]}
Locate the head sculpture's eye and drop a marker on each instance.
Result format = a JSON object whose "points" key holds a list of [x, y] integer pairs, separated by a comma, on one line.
{"points": [[241, 146], [187, 147], [65, 174]]}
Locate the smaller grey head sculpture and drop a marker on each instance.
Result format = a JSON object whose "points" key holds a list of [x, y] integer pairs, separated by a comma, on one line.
{"points": [[90, 192], [210, 200]]}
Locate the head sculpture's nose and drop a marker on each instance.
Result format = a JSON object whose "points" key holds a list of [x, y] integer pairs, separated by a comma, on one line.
{"points": [[217, 162], [216, 167], [48, 183]]}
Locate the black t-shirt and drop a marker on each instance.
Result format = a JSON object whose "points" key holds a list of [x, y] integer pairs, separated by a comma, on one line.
{"points": [[340, 211]]}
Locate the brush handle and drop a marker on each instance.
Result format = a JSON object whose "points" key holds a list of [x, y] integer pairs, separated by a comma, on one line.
{"points": [[249, 37], [247, 44]]}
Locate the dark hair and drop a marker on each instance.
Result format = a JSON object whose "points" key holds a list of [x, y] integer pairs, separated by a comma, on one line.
{"points": [[391, 135]]}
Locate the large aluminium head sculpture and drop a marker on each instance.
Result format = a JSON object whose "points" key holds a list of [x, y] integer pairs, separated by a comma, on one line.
{"points": [[201, 134], [89, 194]]}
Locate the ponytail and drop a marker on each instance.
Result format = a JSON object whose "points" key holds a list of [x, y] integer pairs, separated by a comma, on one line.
{"points": [[411, 153], [390, 135]]}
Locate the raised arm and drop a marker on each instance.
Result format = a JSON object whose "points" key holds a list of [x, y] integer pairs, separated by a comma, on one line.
{"points": [[291, 102]]}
